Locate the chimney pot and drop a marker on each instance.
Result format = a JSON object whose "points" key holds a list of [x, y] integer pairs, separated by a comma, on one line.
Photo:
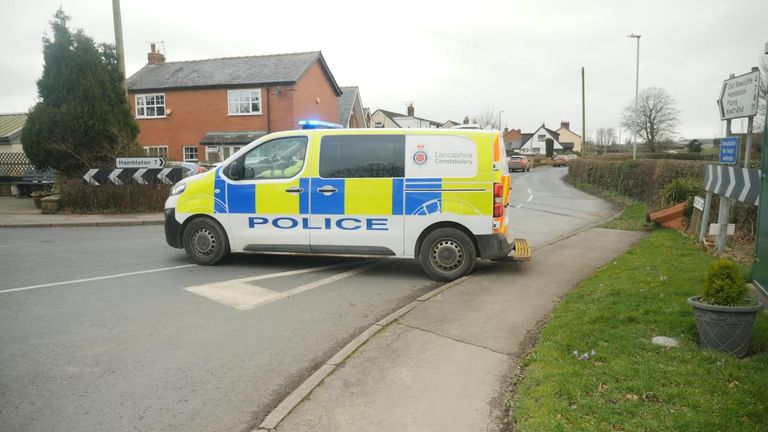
{"points": [[154, 56], [565, 125]]}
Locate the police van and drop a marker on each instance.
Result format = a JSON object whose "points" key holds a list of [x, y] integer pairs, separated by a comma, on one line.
{"points": [[437, 195]]}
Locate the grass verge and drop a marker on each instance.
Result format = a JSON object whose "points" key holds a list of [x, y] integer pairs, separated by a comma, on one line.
{"points": [[631, 384]]}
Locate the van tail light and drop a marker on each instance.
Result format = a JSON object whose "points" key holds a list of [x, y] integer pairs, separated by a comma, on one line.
{"points": [[498, 200]]}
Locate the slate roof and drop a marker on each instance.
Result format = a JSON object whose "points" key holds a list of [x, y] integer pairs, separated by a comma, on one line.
{"points": [[253, 70], [347, 103], [391, 115], [11, 124]]}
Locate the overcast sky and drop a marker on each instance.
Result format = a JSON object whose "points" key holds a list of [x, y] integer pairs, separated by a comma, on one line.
{"points": [[450, 59]]}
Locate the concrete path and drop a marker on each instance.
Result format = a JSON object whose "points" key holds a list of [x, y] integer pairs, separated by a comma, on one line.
{"points": [[444, 365], [21, 212]]}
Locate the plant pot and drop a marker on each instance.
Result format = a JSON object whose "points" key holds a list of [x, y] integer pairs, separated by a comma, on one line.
{"points": [[38, 203], [725, 328]]}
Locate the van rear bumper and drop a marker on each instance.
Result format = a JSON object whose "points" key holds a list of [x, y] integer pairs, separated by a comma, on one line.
{"points": [[172, 229], [493, 246]]}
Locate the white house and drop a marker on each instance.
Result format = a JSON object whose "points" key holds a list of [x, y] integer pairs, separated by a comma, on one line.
{"points": [[536, 143], [388, 119]]}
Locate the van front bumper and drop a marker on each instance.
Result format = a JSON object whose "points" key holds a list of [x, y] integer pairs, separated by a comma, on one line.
{"points": [[172, 229], [493, 246]]}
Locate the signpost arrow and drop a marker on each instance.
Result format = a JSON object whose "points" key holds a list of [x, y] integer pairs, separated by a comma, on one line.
{"points": [[738, 96]]}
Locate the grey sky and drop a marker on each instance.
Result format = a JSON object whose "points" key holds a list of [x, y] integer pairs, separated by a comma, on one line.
{"points": [[450, 59]]}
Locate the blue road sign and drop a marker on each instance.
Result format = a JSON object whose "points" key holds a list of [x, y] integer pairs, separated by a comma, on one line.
{"points": [[729, 150]]}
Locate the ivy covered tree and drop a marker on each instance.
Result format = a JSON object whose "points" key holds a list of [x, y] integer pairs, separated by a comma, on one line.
{"points": [[549, 147], [82, 118]]}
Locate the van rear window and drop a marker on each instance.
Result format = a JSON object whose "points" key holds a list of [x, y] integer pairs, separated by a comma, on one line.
{"points": [[362, 156]]}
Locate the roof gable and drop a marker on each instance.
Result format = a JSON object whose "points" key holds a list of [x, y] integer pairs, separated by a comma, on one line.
{"points": [[230, 71], [347, 103], [11, 125]]}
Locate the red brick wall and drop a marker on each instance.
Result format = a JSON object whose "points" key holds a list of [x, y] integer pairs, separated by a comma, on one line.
{"points": [[193, 113], [314, 86]]}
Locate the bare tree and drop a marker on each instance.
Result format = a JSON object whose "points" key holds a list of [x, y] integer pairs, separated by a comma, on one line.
{"points": [[604, 139], [653, 118], [488, 119]]}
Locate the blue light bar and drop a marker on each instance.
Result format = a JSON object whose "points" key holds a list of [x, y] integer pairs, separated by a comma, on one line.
{"points": [[318, 124]]}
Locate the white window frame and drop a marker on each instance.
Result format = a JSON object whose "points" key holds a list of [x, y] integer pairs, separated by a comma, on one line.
{"points": [[542, 137], [234, 99], [197, 154], [161, 151], [140, 102]]}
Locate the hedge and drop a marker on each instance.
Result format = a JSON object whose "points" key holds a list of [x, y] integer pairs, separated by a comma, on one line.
{"points": [[78, 197]]}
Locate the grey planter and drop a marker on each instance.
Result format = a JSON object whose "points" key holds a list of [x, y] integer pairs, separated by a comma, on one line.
{"points": [[725, 328]]}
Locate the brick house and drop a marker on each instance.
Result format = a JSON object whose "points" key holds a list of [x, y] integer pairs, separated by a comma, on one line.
{"points": [[205, 110]]}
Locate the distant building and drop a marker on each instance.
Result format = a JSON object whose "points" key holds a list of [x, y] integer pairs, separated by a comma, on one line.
{"points": [[351, 111], [570, 140], [11, 126], [536, 142], [388, 119], [13, 160], [205, 110], [513, 140]]}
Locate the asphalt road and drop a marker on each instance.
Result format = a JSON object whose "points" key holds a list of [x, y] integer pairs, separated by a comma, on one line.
{"points": [[110, 329]]}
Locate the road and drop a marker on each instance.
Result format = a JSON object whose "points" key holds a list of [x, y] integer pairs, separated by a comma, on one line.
{"points": [[110, 329]]}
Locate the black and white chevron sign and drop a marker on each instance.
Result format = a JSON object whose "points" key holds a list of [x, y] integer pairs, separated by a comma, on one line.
{"points": [[121, 176], [741, 184]]}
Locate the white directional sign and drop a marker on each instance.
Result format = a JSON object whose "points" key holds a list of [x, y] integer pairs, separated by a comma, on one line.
{"points": [[139, 176], [139, 162], [738, 97], [88, 177], [114, 177]]}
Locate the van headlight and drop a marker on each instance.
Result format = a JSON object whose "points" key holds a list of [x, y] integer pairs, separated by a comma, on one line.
{"points": [[178, 188]]}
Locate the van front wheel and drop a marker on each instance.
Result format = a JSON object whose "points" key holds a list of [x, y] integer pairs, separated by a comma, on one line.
{"points": [[205, 242], [447, 254]]}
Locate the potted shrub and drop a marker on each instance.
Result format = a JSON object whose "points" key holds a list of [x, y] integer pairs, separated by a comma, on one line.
{"points": [[724, 315], [36, 197]]}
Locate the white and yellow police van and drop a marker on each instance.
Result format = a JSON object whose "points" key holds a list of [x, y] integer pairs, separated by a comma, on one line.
{"points": [[438, 195]]}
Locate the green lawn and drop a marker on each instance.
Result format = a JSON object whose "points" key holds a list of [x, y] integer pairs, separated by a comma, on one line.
{"points": [[632, 384]]}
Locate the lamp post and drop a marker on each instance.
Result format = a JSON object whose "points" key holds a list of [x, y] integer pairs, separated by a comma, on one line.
{"points": [[637, 83], [500, 119]]}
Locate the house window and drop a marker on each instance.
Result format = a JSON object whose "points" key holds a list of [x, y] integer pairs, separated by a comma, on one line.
{"points": [[244, 102], [190, 154], [157, 151], [378, 124], [541, 138], [150, 105]]}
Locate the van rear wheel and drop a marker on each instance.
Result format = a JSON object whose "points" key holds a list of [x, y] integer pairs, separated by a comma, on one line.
{"points": [[205, 241], [447, 254]]}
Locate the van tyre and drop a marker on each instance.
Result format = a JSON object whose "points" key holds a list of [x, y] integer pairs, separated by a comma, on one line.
{"points": [[205, 241], [447, 254]]}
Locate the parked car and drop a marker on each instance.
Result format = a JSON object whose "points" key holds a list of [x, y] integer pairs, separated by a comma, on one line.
{"points": [[187, 168], [521, 163], [560, 160]]}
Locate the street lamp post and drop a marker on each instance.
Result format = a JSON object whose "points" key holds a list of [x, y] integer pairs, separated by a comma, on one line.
{"points": [[500, 119], [637, 83]]}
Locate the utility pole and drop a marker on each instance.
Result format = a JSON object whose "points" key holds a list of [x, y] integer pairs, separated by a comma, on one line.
{"points": [[119, 42], [750, 123], [583, 117], [500, 119], [637, 87]]}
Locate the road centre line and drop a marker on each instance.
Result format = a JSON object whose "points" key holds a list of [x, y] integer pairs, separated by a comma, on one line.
{"points": [[114, 276]]}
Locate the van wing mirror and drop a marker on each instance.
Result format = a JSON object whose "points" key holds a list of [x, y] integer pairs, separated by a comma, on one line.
{"points": [[234, 170]]}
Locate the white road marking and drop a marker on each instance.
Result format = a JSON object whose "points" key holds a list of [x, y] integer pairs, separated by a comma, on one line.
{"points": [[530, 192], [241, 295], [119, 275], [518, 206], [530, 198]]}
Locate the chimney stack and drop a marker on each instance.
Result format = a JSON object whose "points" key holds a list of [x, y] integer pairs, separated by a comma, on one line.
{"points": [[506, 130], [565, 125], [154, 56], [466, 119], [410, 110]]}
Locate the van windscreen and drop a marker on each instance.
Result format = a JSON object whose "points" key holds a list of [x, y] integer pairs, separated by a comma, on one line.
{"points": [[362, 156]]}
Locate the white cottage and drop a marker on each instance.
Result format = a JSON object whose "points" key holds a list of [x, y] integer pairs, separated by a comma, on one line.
{"points": [[536, 143]]}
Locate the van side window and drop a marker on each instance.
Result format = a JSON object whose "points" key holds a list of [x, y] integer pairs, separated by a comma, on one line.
{"points": [[280, 158], [362, 156]]}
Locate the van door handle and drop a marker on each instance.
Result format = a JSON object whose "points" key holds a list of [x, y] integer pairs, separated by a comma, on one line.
{"points": [[327, 190], [294, 189]]}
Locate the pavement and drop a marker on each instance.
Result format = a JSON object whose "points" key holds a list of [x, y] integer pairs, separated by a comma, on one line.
{"points": [[21, 212], [444, 362]]}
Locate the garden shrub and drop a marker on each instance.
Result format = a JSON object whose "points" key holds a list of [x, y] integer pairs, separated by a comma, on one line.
{"points": [[724, 284], [76, 196]]}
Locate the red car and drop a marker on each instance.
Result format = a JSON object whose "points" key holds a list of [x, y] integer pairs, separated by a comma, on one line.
{"points": [[560, 160], [520, 163]]}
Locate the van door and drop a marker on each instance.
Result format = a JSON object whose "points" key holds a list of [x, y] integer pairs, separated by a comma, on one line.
{"points": [[268, 195], [357, 196]]}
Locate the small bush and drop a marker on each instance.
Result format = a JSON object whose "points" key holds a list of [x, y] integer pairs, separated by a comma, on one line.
{"points": [[724, 284], [78, 197], [681, 190]]}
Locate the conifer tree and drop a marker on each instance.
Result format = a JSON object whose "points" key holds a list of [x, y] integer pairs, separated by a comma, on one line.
{"points": [[82, 118]]}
